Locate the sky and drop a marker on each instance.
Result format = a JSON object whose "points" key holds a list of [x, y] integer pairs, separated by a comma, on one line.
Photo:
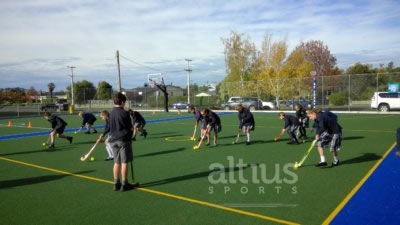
{"points": [[40, 38]]}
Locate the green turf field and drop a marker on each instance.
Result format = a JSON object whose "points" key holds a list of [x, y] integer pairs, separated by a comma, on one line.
{"points": [[39, 187]]}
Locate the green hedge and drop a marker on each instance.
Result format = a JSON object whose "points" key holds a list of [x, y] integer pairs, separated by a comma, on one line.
{"points": [[338, 99]]}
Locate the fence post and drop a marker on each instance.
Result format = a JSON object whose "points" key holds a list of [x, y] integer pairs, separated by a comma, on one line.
{"points": [[322, 94], [38, 109], [377, 82], [17, 109], [348, 104]]}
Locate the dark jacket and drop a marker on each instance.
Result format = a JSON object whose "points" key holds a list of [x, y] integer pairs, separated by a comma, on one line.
{"points": [[290, 121], [246, 118], [56, 122], [88, 118], [120, 125], [327, 122], [137, 117], [212, 119]]}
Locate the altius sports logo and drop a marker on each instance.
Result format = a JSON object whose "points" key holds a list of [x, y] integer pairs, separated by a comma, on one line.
{"points": [[275, 177]]}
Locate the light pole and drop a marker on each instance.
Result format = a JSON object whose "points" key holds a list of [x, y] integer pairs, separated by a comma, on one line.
{"points": [[188, 70], [72, 84]]}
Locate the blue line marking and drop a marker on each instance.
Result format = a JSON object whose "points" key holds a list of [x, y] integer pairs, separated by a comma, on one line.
{"points": [[33, 134], [378, 200]]}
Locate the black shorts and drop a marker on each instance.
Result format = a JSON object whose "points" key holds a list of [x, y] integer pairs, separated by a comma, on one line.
{"points": [[91, 121], [216, 127], [60, 130], [304, 122], [139, 125]]}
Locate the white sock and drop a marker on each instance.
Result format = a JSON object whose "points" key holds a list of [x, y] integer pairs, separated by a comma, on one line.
{"points": [[109, 151], [248, 137], [322, 158], [335, 158]]}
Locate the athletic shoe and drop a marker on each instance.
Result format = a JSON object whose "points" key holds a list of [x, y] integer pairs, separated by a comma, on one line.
{"points": [[70, 139], [145, 134], [321, 164], [95, 132], [128, 186], [108, 159], [117, 186], [50, 147], [87, 132], [248, 143], [134, 139], [293, 143], [335, 163], [208, 144]]}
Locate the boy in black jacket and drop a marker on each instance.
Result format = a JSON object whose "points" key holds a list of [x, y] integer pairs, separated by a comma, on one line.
{"points": [[198, 119], [246, 121], [121, 143], [88, 120], [291, 126], [138, 123], [329, 134], [212, 122], [57, 128], [301, 115]]}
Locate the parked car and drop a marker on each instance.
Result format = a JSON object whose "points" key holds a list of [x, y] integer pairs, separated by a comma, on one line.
{"points": [[305, 103], [55, 106], [249, 102], [384, 101], [180, 105]]}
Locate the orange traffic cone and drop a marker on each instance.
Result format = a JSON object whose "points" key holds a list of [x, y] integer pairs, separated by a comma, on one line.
{"points": [[9, 124], [29, 124]]}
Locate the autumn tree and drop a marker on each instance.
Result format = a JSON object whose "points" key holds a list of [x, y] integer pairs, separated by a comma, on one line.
{"points": [[319, 55], [279, 69], [240, 53]]}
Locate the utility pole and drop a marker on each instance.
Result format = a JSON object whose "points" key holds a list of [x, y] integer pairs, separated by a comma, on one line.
{"points": [[72, 83], [119, 73], [188, 70]]}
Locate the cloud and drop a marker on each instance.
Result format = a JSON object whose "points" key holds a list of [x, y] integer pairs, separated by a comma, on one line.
{"points": [[44, 36]]}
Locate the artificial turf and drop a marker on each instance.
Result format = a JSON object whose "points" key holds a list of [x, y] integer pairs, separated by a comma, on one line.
{"points": [[35, 196]]}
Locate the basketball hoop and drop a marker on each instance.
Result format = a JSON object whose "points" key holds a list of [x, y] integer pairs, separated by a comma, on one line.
{"points": [[153, 84]]}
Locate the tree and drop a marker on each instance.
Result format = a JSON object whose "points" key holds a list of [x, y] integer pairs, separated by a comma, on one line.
{"points": [[240, 54], [278, 69], [32, 94], [320, 57], [83, 91], [104, 91], [51, 87], [359, 68]]}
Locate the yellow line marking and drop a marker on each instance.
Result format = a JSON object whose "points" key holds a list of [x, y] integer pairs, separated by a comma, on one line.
{"points": [[238, 211], [356, 188], [178, 138]]}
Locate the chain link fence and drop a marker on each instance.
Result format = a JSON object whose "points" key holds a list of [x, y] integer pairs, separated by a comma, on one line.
{"points": [[348, 92]]}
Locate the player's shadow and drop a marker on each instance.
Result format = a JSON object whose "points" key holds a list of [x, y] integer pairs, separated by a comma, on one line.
{"points": [[43, 150], [160, 153], [227, 137], [164, 136], [191, 176], [162, 133], [353, 138], [365, 157], [35, 180]]}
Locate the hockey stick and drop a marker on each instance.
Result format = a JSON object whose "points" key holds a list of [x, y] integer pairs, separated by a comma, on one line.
{"points": [[83, 158], [298, 164]]}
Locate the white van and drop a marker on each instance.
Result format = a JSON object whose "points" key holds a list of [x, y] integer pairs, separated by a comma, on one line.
{"points": [[384, 101]]}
